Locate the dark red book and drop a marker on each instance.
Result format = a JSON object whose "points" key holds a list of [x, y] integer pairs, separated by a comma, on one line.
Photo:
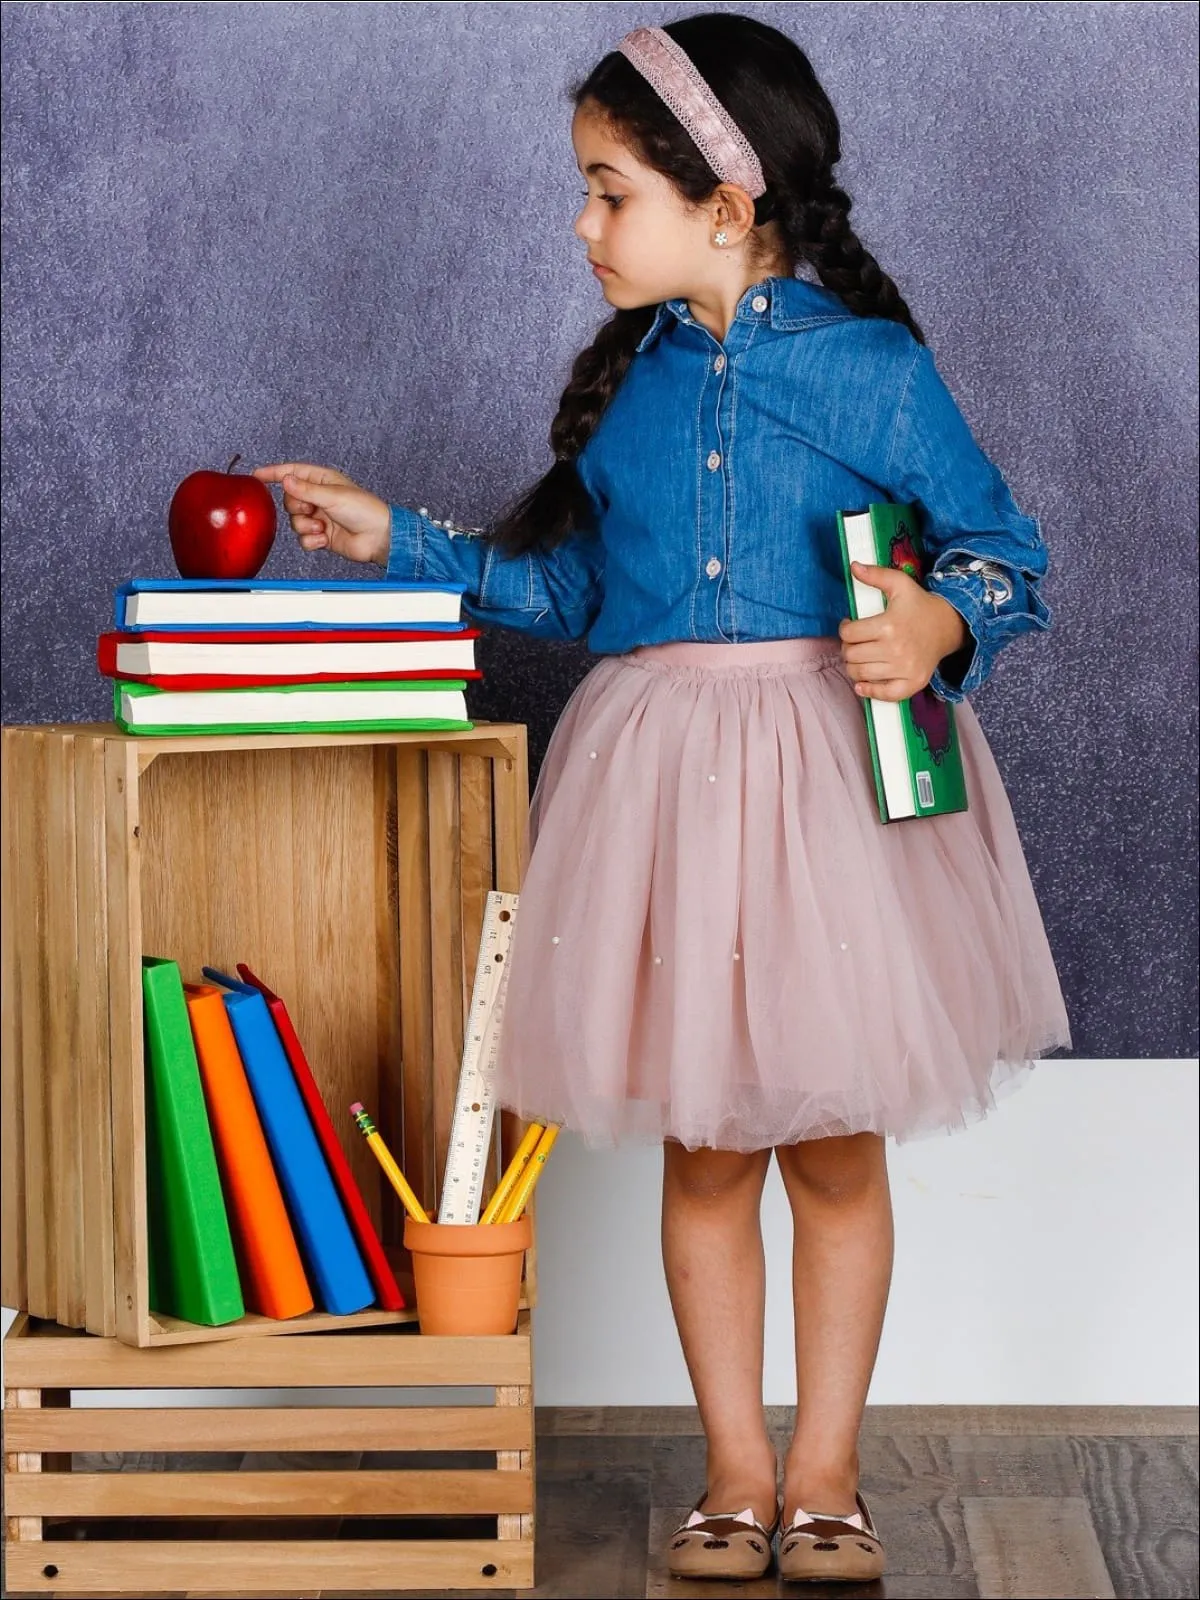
{"points": [[243, 659], [387, 1290]]}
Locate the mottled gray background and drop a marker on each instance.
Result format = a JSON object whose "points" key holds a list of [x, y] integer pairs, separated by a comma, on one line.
{"points": [[342, 232]]}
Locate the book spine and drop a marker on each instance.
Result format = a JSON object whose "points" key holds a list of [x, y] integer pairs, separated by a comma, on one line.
{"points": [[195, 1272], [333, 1256], [273, 1278], [388, 1292]]}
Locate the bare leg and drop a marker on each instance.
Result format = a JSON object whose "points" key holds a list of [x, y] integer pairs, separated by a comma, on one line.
{"points": [[841, 1272], [716, 1278]]}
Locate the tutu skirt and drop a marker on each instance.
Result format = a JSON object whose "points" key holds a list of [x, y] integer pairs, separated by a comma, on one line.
{"points": [[718, 941]]}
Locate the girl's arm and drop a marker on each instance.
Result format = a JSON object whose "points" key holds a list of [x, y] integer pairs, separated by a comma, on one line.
{"points": [[987, 556], [551, 594]]}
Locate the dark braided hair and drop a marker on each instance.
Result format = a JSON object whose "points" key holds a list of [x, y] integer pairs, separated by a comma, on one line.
{"points": [[769, 88]]}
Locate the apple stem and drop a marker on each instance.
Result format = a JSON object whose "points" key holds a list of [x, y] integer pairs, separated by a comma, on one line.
{"points": [[233, 463]]}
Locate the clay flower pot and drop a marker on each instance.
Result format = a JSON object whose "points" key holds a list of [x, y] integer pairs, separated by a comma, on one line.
{"points": [[467, 1275]]}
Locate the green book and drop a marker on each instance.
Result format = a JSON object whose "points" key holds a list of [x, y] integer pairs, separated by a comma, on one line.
{"points": [[914, 743], [193, 1270], [358, 707]]}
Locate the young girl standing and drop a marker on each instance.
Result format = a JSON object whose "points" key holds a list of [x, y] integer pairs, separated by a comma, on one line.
{"points": [[719, 945]]}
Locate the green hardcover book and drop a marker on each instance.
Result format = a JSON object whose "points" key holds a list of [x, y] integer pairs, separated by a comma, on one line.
{"points": [[377, 706], [193, 1269], [914, 743]]}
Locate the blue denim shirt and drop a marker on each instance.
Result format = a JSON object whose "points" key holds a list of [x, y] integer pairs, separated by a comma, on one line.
{"points": [[715, 474]]}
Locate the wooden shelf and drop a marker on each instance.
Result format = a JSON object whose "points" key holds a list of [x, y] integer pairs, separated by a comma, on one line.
{"points": [[350, 871]]}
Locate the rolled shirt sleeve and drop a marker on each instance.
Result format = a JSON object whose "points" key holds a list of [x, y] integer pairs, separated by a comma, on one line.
{"points": [[987, 557], [551, 594]]}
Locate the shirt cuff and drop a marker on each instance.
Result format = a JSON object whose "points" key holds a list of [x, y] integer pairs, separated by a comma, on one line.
{"points": [[406, 547], [965, 668]]}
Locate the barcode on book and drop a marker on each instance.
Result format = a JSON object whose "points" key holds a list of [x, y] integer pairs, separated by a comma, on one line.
{"points": [[924, 789]]}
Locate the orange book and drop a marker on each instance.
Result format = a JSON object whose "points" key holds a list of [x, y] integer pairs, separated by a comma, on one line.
{"points": [[273, 1278]]}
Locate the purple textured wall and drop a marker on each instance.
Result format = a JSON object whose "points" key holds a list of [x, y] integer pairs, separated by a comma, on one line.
{"points": [[342, 233]]}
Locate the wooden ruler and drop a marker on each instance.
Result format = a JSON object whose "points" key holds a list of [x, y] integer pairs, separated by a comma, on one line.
{"points": [[475, 1107]]}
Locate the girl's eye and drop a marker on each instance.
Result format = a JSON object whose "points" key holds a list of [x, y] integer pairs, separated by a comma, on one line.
{"points": [[614, 200]]}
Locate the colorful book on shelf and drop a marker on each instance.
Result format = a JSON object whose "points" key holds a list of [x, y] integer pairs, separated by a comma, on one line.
{"points": [[193, 1269], [427, 703], [233, 603], [387, 1291], [273, 1278], [233, 659], [915, 754], [334, 1260]]}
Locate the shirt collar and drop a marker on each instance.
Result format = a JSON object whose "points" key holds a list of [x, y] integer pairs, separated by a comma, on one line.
{"points": [[791, 303]]}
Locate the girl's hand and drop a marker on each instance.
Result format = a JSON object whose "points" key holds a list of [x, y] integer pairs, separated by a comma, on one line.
{"points": [[893, 655], [330, 512]]}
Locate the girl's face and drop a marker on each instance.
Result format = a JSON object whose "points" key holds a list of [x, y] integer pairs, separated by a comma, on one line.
{"points": [[635, 223]]}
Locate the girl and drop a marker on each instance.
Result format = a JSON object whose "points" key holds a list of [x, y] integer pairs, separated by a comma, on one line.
{"points": [[719, 945]]}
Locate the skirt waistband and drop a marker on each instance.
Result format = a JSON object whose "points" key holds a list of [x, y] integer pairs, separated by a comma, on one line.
{"points": [[800, 654]]}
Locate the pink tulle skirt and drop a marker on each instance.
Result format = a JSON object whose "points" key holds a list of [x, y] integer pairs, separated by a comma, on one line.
{"points": [[718, 941]]}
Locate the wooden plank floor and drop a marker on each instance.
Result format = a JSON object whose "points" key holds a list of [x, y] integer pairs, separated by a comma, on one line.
{"points": [[979, 1502]]}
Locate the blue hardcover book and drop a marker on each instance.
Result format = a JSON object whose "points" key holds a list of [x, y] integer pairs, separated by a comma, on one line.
{"points": [[329, 1245], [227, 604]]}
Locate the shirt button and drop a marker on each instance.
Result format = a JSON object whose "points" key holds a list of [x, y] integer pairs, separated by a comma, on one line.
{"points": [[713, 567], [759, 303], [714, 461], [719, 364]]}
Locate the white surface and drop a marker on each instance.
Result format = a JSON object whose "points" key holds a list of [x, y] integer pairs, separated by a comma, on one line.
{"points": [[1045, 1256]]}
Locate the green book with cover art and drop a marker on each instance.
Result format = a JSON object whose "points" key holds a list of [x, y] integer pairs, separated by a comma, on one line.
{"points": [[914, 743]]}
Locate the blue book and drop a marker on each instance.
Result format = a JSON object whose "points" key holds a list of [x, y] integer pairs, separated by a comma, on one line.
{"points": [[330, 1248], [227, 604]]}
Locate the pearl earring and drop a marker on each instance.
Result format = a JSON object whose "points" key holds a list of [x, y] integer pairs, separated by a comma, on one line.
{"points": [[722, 237]]}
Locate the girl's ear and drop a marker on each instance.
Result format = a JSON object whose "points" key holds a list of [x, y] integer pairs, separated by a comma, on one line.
{"points": [[733, 211]]}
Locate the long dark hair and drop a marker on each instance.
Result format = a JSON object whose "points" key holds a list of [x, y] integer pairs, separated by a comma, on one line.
{"points": [[768, 86]]}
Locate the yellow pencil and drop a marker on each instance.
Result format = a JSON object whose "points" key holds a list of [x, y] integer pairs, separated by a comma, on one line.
{"points": [[519, 1198], [384, 1157], [513, 1171]]}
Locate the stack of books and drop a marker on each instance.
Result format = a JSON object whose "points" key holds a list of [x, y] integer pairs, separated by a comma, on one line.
{"points": [[252, 1204], [254, 656]]}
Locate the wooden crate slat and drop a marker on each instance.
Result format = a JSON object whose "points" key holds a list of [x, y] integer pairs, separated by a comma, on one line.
{"points": [[61, 1064], [445, 944], [516, 1524], [95, 1095], [14, 1290], [28, 869], [389, 1045], [416, 982], [124, 915], [342, 1360], [237, 1429], [269, 1566], [268, 1494]]}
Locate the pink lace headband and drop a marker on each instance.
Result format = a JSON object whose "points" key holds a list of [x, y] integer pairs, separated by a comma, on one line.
{"points": [[717, 136]]}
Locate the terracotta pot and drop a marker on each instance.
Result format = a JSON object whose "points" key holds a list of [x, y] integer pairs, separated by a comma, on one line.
{"points": [[467, 1275]]}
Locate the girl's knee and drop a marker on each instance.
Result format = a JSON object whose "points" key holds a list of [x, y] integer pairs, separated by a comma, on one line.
{"points": [[710, 1174], [835, 1170]]}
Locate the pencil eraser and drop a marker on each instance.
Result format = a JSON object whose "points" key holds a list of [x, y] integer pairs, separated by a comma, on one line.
{"points": [[356, 1108]]}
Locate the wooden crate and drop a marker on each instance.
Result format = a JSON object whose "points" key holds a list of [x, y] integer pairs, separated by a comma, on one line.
{"points": [[350, 871], [90, 1509]]}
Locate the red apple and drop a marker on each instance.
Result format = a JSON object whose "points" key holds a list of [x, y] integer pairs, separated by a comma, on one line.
{"points": [[222, 524]]}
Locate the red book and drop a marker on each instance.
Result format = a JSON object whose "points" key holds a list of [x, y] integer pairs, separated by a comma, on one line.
{"points": [[243, 659], [387, 1289]]}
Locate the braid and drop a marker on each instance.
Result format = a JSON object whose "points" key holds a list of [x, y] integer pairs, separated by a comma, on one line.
{"points": [[558, 504], [819, 231]]}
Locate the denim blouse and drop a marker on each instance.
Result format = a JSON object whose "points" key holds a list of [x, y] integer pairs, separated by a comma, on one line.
{"points": [[715, 474]]}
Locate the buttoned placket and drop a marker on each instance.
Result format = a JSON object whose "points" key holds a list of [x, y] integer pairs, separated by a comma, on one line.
{"points": [[711, 597]]}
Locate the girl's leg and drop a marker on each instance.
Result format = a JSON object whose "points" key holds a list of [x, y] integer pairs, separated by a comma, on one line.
{"points": [[716, 1278], [841, 1271]]}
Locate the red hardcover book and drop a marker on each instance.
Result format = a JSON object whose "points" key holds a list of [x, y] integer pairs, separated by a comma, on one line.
{"points": [[387, 1289], [246, 658]]}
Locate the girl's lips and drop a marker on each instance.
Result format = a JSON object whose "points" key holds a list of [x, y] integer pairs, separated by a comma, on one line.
{"points": [[601, 272]]}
